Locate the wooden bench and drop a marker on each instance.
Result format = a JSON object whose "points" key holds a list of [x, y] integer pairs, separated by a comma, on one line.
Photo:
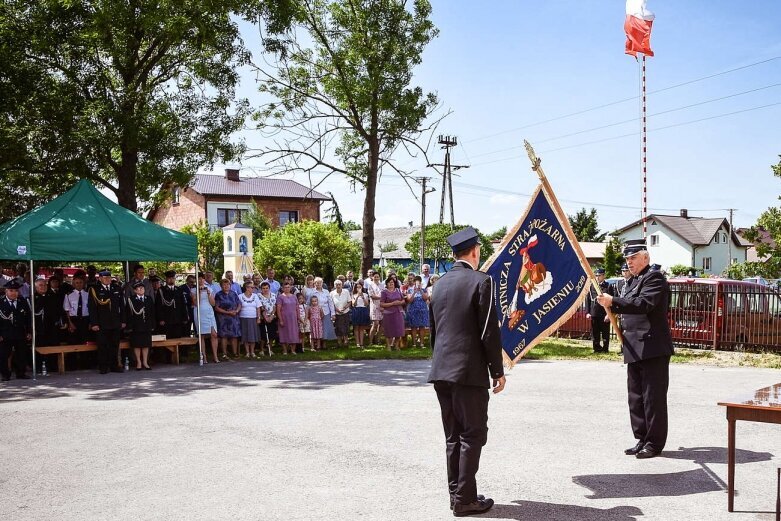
{"points": [[171, 344]]}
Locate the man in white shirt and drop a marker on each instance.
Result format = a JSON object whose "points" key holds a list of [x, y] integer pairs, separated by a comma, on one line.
{"points": [[77, 312], [425, 275]]}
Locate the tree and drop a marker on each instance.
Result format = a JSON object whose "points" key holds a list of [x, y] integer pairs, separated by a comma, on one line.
{"points": [[613, 258], [584, 225], [257, 220], [768, 224], [131, 94], [498, 235], [210, 246], [437, 247], [350, 226], [344, 104], [299, 249]]}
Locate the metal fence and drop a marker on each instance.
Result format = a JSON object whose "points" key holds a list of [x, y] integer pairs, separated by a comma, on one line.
{"points": [[724, 315]]}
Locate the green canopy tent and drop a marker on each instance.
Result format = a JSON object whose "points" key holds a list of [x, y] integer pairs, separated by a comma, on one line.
{"points": [[82, 224]]}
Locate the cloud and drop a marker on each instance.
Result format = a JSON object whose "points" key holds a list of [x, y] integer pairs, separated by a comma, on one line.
{"points": [[504, 199]]}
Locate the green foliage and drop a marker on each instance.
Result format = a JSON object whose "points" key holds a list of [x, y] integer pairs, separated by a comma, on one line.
{"points": [[613, 258], [584, 225], [210, 246], [401, 271], [741, 270], [437, 248], [498, 235], [344, 103], [350, 226], [133, 95], [298, 249], [678, 270], [257, 220]]}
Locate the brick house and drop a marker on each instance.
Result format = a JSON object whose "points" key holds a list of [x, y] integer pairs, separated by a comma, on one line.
{"points": [[221, 200]]}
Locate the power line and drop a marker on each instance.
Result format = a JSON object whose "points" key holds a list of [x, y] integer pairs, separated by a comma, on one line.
{"points": [[635, 133], [633, 120], [617, 102]]}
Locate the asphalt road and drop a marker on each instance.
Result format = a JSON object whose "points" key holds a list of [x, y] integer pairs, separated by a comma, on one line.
{"points": [[362, 441]]}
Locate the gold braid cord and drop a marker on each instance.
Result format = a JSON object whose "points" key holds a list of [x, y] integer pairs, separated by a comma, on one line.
{"points": [[106, 302]]}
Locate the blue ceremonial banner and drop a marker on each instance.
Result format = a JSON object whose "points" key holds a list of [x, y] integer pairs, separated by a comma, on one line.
{"points": [[539, 277]]}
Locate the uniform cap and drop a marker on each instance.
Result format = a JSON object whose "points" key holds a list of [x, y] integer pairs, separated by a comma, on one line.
{"points": [[624, 267], [599, 271], [170, 273], [633, 247], [104, 273], [138, 284], [463, 239], [13, 284], [154, 278]]}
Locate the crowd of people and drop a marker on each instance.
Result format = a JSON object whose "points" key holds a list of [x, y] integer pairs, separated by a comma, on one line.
{"points": [[263, 315]]}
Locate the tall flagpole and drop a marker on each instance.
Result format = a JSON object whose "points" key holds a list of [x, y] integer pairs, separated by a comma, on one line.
{"points": [[644, 148]]}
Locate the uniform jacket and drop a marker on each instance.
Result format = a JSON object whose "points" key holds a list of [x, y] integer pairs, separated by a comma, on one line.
{"points": [[643, 310], [171, 305], [464, 329], [141, 316], [15, 324], [592, 306], [106, 307]]}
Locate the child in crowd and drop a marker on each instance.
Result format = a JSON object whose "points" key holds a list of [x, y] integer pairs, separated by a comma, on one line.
{"points": [[303, 320], [316, 315]]}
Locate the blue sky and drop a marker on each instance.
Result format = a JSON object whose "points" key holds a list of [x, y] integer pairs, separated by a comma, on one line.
{"points": [[503, 65]]}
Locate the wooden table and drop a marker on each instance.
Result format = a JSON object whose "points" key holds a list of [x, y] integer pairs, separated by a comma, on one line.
{"points": [[171, 345], [764, 405]]}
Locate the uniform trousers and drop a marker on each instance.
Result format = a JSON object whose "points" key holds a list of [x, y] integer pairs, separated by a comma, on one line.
{"points": [[600, 330], [108, 347], [647, 382], [20, 350], [465, 420]]}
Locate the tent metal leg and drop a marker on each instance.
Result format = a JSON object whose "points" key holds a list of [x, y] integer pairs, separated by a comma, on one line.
{"points": [[32, 309]]}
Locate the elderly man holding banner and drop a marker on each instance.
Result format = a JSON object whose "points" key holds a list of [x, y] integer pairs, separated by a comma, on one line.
{"points": [[647, 348]]}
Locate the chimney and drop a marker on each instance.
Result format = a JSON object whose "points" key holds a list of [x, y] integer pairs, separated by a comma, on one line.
{"points": [[232, 174], [684, 213]]}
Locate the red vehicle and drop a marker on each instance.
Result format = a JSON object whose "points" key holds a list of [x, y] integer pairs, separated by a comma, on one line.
{"points": [[724, 314]]}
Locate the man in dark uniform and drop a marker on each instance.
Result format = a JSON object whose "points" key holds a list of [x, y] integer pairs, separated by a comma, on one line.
{"points": [[45, 328], [15, 332], [107, 319], [600, 324], [647, 349], [171, 308], [467, 348], [621, 284]]}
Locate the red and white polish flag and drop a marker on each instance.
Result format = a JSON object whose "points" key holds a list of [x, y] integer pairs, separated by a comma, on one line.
{"points": [[637, 27]]}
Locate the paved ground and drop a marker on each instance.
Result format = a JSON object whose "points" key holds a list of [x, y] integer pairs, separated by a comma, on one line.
{"points": [[362, 441]]}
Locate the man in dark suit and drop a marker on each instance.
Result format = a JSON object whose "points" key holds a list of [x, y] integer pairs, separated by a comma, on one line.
{"points": [[647, 349], [107, 319], [600, 324], [171, 308], [15, 331], [467, 348]]}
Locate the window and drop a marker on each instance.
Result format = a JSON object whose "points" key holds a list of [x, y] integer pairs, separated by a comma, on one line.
{"points": [[288, 216], [230, 244], [175, 195], [716, 238], [654, 240], [226, 216], [724, 237], [706, 263]]}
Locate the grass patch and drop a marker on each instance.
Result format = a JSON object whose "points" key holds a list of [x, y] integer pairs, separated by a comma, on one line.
{"points": [[550, 349]]}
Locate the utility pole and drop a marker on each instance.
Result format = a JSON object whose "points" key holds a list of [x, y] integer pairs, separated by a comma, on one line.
{"points": [[447, 143], [729, 240], [424, 191]]}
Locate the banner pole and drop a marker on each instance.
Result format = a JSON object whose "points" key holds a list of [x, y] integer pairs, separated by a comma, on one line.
{"points": [[537, 167]]}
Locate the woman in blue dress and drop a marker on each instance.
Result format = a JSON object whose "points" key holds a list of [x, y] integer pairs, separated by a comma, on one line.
{"points": [[417, 310], [227, 306], [207, 324]]}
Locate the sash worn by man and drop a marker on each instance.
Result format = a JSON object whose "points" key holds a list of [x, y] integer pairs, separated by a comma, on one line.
{"points": [[647, 348], [466, 344]]}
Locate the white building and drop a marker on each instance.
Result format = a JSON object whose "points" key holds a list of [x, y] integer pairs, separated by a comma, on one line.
{"points": [[705, 244]]}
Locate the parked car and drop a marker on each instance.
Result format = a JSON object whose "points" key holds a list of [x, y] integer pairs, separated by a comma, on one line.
{"points": [[724, 314]]}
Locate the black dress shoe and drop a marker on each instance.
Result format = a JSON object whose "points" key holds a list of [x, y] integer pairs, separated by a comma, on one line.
{"points": [[634, 450], [647, 453], [477, 507], [148, 368], [23, 377], [8, 379], [117, 370], [480, 497]]}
